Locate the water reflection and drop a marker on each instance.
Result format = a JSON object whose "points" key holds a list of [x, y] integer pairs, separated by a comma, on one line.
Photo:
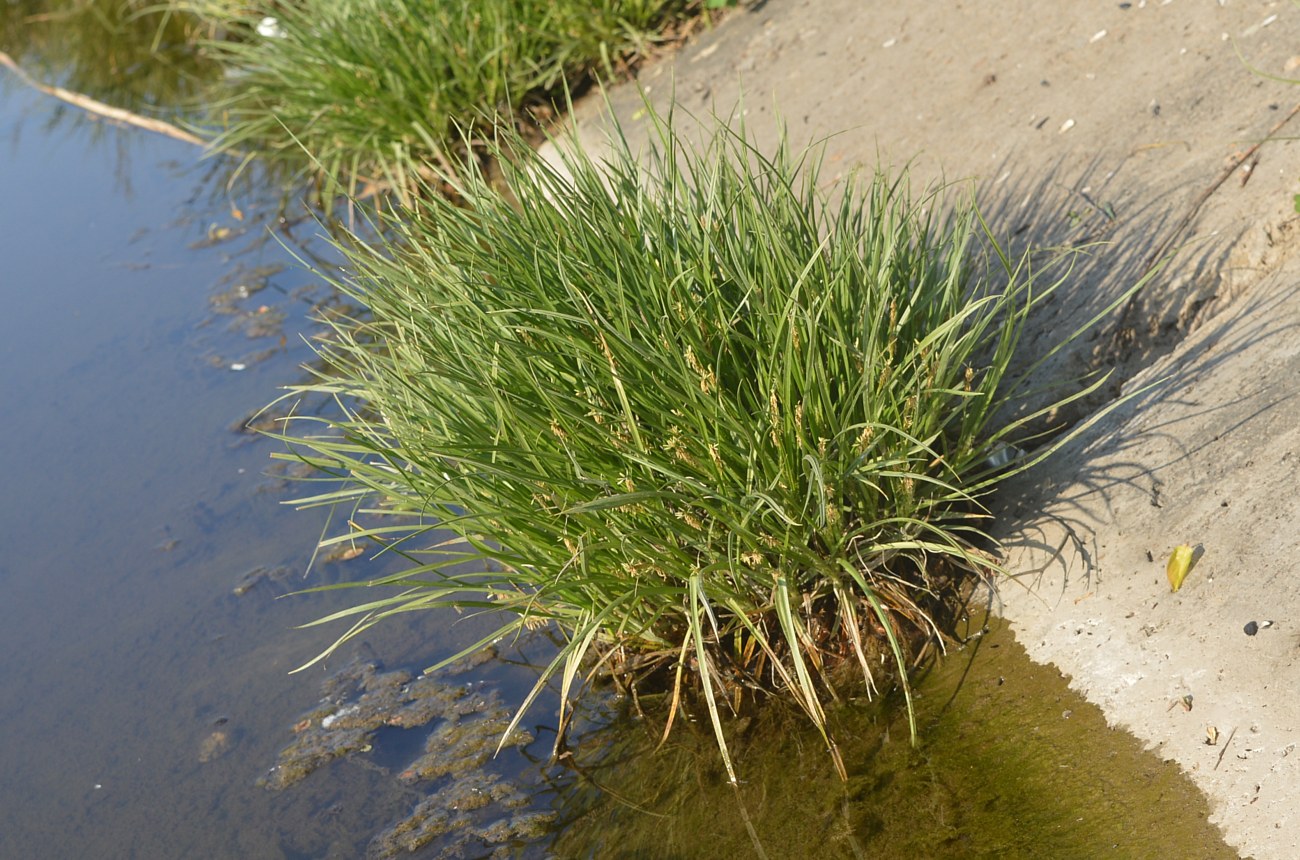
{"points": [[134, 54]]}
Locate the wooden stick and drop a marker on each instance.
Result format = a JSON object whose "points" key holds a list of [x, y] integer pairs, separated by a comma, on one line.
{"points": [[98, 108]]}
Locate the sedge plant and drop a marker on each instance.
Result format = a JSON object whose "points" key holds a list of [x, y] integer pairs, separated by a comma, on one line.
{"points": [[375, 89], [683, 405]]}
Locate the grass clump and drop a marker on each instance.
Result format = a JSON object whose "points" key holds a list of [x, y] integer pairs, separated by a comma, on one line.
{"points": [[685, 407], [373, 89]]}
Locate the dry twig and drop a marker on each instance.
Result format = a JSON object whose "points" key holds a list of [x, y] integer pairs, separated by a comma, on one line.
{"points": [[98, 108]]}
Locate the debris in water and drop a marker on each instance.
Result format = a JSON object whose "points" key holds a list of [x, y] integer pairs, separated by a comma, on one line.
{"points": [[468, 809], [250, 579], [344, 552], [214, 746]]}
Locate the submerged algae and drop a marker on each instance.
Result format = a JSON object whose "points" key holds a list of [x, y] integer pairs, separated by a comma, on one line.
{"points": [[470, 804]]}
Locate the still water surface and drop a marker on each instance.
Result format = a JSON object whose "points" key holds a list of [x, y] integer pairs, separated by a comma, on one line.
{"points": [[132, 507], [143, 702]]}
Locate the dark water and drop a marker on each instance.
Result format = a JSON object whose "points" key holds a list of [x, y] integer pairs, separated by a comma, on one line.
{"points": [[142, 701]]}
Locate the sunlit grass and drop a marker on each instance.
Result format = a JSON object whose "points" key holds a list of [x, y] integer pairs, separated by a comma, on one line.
{"points": [[374, 89], [699, 415]]}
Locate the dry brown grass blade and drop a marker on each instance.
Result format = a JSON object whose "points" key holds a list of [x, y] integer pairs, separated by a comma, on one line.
{"points": [[98, 108], [677, 697], [849, 619]]}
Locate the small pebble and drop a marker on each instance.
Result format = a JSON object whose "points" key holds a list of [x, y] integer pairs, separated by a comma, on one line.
{"points": [[1251, 629], [1066, 126]]}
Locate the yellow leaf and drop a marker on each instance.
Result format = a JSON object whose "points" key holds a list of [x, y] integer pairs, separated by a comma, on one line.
{"points": [[1180, 564]]}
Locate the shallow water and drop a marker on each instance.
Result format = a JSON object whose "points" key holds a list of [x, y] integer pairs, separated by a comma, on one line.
{"points": [[132, 509], [1010, 763], [143, 702]]}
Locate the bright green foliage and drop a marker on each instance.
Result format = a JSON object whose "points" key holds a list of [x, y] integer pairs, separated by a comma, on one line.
{"points": [[375, 88], [682, 404]]}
